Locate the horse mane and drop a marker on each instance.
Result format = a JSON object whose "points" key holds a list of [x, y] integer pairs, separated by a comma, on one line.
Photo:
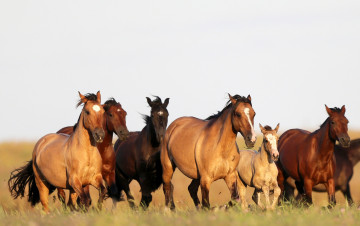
{"points": [[157, 101], [147, 119], [110, 102], [238, 98], [268, 128], [89, 96]]}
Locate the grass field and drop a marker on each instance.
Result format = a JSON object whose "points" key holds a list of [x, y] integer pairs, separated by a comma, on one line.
{"points": [[19, 212]]}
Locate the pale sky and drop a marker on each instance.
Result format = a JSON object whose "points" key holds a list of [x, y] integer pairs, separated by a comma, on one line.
{"points": [[291, 56]]}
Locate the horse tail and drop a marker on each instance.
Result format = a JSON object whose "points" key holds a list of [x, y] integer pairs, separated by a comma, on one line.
{"points": [[21, 177]]}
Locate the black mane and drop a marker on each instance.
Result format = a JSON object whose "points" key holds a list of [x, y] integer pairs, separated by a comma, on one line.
{"points": [[157, 101], [89, 96], [110, 102], [268, 128], [238, 98]]}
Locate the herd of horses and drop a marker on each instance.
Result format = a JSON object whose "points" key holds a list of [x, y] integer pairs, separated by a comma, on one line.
{"points": [[203, 150]]}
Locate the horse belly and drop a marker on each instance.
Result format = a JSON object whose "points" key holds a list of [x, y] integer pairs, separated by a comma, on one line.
{"points": [[51, 163]]}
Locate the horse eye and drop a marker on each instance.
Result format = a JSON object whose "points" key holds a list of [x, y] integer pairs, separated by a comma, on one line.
{"points": [[238, 115], [111, 115], [87, 112], [332, 122]]}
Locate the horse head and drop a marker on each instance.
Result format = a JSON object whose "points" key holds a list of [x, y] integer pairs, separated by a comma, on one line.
{"points": [[158, 116], [270, 141], [338, 125], [116, 118], [243, 118]]}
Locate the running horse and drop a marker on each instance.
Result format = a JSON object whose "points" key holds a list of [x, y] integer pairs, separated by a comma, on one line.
{"points": [[62, 161], [206, 150], [309, 157], [115, 123], [346, 159], [138, 157]]}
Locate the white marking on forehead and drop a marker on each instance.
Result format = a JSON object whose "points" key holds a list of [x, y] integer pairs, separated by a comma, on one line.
{"points": [[160, 113], [96, 108], [118, 110], [253, 135], [272, 139]]}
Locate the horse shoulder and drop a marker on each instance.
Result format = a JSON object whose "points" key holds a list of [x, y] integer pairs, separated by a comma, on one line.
{"points": [[245, 166]]}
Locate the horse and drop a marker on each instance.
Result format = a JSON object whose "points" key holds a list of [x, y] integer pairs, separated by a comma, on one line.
{"points": [[258, 169], [309, 157], [206, 150], [346, 159], [115, 123], [63, 161], [138, 157]]}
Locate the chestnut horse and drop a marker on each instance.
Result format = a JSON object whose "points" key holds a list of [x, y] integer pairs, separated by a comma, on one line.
{"points": [[206, 150], [115, 123], [62, 161], [309, 157], [138, 157], [346, 159]]}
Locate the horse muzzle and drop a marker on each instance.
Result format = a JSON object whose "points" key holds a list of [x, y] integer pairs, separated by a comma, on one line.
{"points": [[250, 141], [344, 141], [98, 135], [122, 133], [275, 155]]}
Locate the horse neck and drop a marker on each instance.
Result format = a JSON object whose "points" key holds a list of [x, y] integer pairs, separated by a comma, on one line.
{"points": [[264, 155], [325, 143], [81, 137], [108, 138], [223, 126], [354, 152], [151, 135]]}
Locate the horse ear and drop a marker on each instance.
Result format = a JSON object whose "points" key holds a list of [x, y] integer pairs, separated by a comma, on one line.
{"points": [[262, 128], [98, 95], [232, 99], [82, 98], [166, 102], [249, 97], [328, 110], [149, 101], [343, 110], [277, 127]]}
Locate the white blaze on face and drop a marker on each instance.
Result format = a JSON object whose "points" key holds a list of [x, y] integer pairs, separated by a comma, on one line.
{"points": [[160, 113], [96, 108], [253, 135], [118, 110], [272, 140]]}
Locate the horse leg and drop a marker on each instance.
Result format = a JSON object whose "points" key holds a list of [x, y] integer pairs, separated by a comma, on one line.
{"points": [[277, 192], [168, 171], [347, 194], [205, 187], [61, 196], [301, 196], [330, 187], [288, 191], [266, 191], [256, 198], [281, 179], [109, 178], [72, 200], [308, 185], [193, 189], [43, 192], [123, 184], [98, 184], [79, 190], [231, 182], [146, 196], [242, 194]]}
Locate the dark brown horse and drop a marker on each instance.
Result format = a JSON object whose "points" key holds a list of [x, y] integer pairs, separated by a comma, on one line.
{"points": [[346, 159], [115, 123], [309, 157], [138, 157], [206, 150], [63, 161]]}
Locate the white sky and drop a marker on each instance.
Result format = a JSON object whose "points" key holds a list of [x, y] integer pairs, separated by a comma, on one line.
{"points": [[291, 56]]}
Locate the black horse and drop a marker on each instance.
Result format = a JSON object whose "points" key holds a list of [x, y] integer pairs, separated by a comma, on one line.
{"points": [[138, 157]]}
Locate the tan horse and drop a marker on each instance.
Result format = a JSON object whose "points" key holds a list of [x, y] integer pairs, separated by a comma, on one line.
{"points": [[62, 161], [206, 150], [258, 170]]}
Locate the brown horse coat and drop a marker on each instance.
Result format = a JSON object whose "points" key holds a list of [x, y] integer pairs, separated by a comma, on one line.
{"points": [[206, 150]]}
